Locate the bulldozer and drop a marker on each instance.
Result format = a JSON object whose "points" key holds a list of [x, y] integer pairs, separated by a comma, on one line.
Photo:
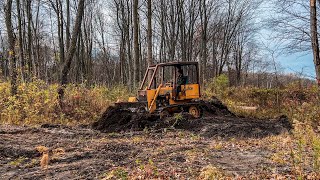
{"points": [[168, 88]]}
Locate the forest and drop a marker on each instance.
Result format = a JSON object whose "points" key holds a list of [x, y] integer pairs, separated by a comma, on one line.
{"points": [[115, 41], [67, 67]]}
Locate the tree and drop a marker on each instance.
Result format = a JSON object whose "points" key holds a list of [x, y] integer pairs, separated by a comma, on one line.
{"points": [[314, 38], [21, 55], [149, 36], [117, 40], [11, 44], [203, 49], [150, 61], [135, 42], [295, 24], [290, 23], [72, 49], [29, 34]]}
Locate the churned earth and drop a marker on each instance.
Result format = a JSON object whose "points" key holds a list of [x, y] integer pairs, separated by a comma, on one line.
{"points": [[124, 145]]}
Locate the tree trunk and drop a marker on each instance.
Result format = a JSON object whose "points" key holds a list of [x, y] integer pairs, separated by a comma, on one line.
{"points": [[149, 36], [314, 38], [150, 61], [60, 30], [204, 23], [68, 25], [22, 63], [72, 49], [4, 61], [36, 44], [135, 43], [30, 61], [11, 43]]}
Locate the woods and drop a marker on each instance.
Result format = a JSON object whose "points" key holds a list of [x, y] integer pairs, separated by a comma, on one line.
{"points": [[114, 42], [71, 48], [232, 91]]}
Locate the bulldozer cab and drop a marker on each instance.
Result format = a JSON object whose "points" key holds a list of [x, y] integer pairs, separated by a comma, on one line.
{"points": [[166, 74], [168, 84]]}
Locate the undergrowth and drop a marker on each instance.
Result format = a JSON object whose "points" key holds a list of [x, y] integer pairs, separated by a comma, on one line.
{"points": [[300, 104], [37, 103]]}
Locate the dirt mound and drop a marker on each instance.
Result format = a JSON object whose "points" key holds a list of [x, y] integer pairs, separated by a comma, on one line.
{"points": [[228, 127], [215, 107], [115, 119], [217, 121]]}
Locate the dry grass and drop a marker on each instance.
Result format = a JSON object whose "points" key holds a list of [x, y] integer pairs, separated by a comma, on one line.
{"points": [[37, 103], [210, 172], [299, 150]]}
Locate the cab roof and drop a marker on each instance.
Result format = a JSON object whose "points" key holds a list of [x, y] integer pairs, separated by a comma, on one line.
{"points": [[176, 63]]}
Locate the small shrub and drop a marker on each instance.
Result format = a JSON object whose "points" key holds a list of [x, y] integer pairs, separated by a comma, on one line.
{"points": [[218, 86], [119, 173], [178, 117], [210, 172], [18, 161], [316, 153]]}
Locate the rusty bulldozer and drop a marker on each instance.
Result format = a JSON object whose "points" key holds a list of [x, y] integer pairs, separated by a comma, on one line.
{"points": [[168, 88]]}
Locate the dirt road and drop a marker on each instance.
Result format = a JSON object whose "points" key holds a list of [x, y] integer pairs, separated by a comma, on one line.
{"points": [[233, 147]]}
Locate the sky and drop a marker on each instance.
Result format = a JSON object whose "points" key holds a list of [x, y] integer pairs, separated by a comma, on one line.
{"points": [[298, 63], [301, 62]]}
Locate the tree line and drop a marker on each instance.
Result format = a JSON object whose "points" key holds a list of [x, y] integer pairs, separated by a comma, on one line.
{"points": [[113, 42]]}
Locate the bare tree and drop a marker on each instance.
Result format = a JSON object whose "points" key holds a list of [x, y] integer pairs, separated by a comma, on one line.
{"points": [[135, 42], [21, 54], [150, 60], [290, 23], [116, 42], [295, 24], [314, 38], [72, 48], [11, 43]]}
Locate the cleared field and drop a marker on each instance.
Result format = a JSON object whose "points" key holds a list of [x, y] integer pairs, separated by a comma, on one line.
{"points": [[195, 148]]}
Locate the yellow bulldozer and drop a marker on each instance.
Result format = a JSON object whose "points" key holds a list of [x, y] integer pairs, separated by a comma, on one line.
{"points": [[168, 88]]}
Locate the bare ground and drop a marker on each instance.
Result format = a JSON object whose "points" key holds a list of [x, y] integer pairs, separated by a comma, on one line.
{"points": [[236, 147]]}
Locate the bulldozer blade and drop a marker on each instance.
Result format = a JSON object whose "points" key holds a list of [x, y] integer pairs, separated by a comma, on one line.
{"points": [[132, 106]]}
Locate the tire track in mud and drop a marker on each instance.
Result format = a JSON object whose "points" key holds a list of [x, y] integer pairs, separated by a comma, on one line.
{"points": [[90, 154]]}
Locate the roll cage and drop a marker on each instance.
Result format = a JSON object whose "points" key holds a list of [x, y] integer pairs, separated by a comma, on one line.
{"points": [[192, 71]]}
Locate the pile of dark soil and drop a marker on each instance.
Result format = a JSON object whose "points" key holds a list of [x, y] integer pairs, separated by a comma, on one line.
{"points": [[215, 107], [115, 119], [217, 121], [228, 127]]}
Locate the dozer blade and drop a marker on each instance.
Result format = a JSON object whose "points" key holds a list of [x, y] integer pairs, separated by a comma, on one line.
{"points": [[132, 106]]}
